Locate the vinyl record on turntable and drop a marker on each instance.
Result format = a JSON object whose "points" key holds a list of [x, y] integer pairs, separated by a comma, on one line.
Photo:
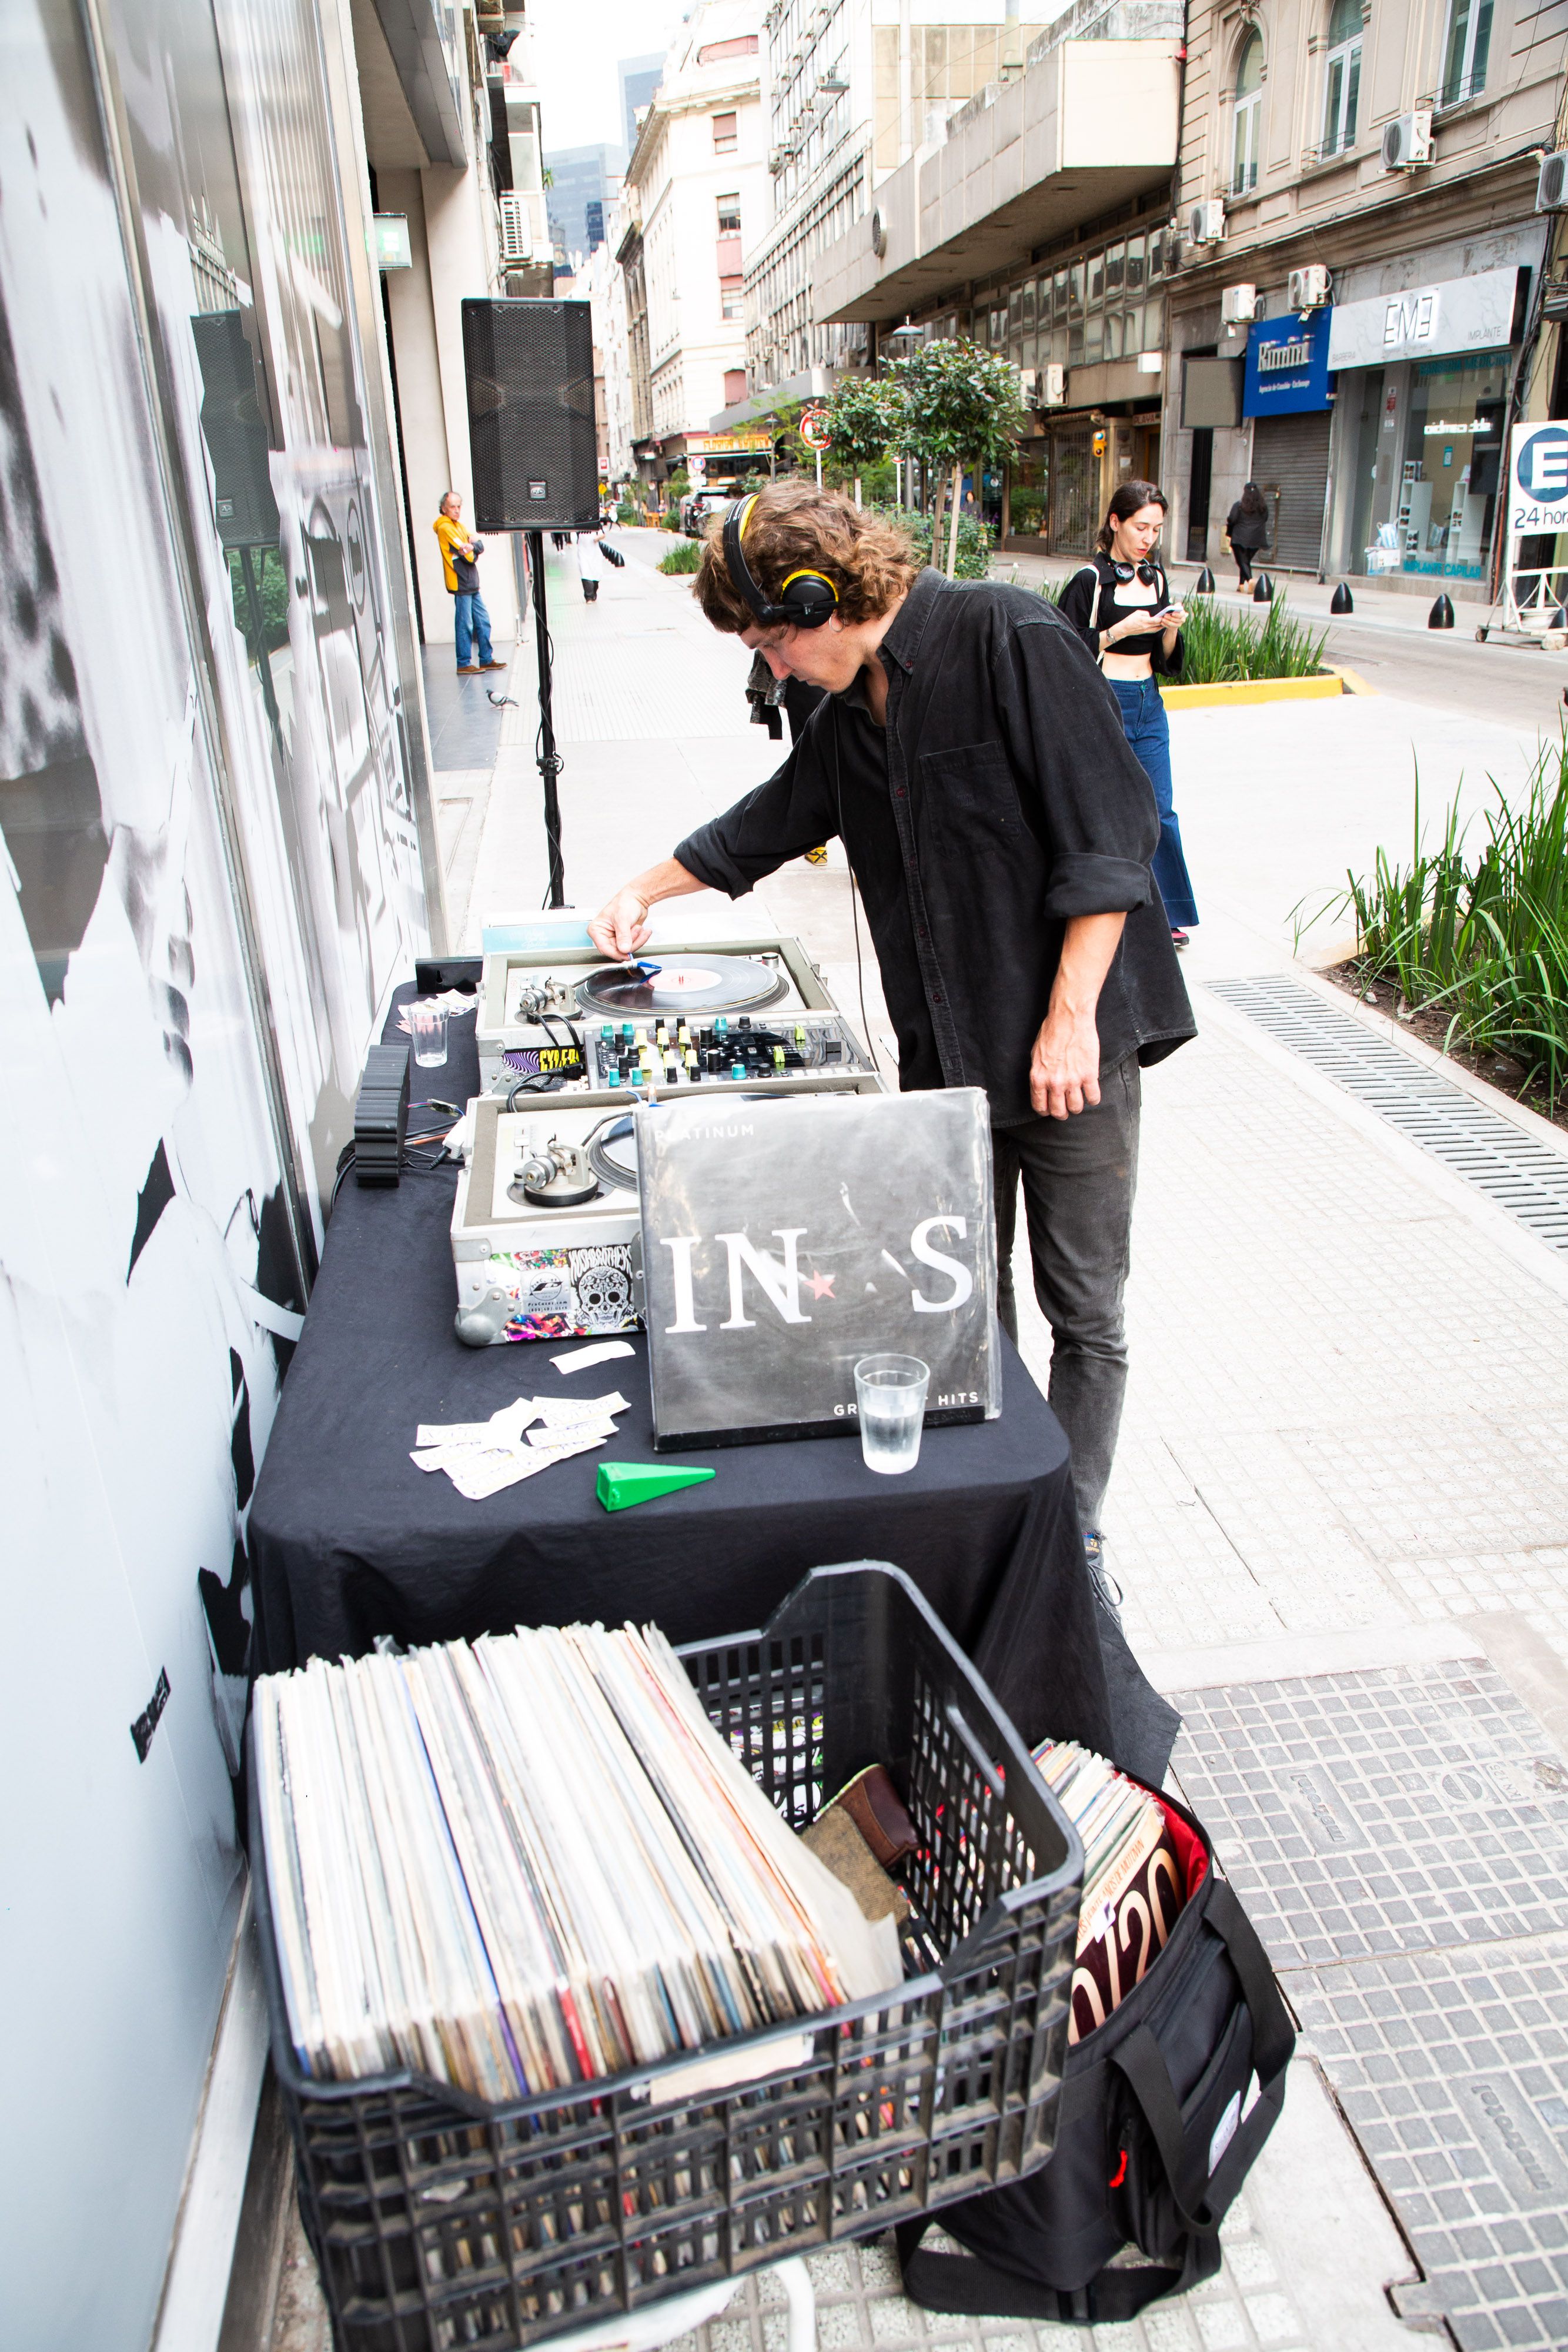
{"points": [[695, 989]]}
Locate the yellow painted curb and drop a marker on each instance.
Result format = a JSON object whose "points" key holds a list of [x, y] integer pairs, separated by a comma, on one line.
{"points": [[1354, 681], [1254, 689]]}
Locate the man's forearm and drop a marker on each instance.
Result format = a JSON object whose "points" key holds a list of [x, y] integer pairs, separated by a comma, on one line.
{"points": [[1088, 946], [1064, 1068]]}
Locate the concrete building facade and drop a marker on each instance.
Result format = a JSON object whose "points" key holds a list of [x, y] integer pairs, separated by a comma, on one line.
{"points": [[1393, 148], [693, 193]]}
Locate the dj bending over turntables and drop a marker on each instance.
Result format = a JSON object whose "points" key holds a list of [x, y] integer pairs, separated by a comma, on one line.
{"points": [[973, 761]]}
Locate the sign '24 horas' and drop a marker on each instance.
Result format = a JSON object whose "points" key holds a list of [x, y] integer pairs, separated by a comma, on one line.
{"points": [[783, 1240]]}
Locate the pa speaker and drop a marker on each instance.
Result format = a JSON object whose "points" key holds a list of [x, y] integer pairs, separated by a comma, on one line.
{"points": [[531, 439]]}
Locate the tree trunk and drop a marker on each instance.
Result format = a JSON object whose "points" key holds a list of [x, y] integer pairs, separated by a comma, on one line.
{"points": [[857, 489], [952, 528], [937, 487]]}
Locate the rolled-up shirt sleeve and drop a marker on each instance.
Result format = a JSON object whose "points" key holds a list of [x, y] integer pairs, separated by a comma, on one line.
{"points": [[791, 812], [1093, 804]]}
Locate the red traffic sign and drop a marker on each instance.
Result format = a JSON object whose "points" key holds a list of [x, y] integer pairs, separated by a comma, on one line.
{"points": [[813, 429]]}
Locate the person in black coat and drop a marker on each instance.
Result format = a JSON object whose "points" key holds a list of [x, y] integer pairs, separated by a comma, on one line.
{"points": [[1247, 531]]}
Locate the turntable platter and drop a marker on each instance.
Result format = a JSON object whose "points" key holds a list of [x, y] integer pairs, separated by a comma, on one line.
{"points": [[696, 988]]}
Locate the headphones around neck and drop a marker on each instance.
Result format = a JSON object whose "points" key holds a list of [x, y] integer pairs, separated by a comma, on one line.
{"points": [[1147, 571], [805, 600]]}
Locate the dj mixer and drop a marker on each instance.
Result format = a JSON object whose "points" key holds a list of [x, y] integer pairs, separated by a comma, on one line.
{"points": [[651, 1055]]}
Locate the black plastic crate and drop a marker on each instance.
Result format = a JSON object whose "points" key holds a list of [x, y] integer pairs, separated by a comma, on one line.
{"points": [[440, 2220]]}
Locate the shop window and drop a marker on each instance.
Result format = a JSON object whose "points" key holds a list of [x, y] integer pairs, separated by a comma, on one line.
{"points": [[729, 216], [1445, 499], [1249, 113], [725, 134], [730, 302], [1341, 78], [1465, 51]]}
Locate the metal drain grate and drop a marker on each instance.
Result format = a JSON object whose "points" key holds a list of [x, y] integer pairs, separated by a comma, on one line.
{"points": [[1526, 1178]]}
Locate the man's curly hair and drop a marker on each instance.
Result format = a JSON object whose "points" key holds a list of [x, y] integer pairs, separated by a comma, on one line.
{"points": [[795, 527]]}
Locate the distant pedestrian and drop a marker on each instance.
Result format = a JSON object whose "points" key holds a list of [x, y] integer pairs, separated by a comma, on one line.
{"points": [[460, 556], [1121, 605], [1247, 531]]}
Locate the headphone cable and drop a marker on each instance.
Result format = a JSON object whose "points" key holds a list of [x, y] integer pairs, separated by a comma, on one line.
{"points": [[854, 898]]}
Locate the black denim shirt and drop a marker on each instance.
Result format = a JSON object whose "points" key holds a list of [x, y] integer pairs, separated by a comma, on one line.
{"points": [[1015, 803]]}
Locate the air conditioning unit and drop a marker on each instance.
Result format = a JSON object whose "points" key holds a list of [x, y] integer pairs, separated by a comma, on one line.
{"points": [[1029, 387], [1551, 188], [517, 234], [1237, 304], [1053, 386], [1309, 288], [1407, 141], [1205, 222]]}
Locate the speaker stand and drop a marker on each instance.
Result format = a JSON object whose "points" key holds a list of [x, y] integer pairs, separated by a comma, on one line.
{"points": [[549, 759]]}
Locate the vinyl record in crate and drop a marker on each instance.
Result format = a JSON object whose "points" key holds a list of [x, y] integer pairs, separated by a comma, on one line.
{"points": [[696, 989]]}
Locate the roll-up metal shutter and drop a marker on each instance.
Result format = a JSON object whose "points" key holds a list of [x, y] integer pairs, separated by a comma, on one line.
{"points": [[1074, 478], [1290, 467]]}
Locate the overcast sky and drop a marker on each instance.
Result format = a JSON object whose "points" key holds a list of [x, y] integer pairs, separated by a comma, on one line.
{"points": [[577, 44]]}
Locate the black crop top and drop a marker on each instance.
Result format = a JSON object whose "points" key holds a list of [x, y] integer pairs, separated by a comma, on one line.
{"points": [[1120, 597]]}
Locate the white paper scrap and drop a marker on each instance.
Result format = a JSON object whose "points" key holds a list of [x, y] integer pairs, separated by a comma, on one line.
{"points": [[503, 1428], [488, 1474], [579, 1433], [565, 1413], [582, 1360]]}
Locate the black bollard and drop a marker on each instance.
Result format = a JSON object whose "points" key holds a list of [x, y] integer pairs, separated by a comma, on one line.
{"points": [[1203, 584], [1262, 589], [1342, 600], [1442, 615]]}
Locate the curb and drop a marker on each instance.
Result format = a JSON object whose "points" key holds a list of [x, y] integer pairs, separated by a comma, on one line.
{"points": [[1330, 683]]}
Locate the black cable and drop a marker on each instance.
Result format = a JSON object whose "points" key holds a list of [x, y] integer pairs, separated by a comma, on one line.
{"points": [[854, 899]]}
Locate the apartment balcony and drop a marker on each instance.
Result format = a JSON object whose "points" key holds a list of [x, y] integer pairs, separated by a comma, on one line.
{"points": [[1092, 122]]}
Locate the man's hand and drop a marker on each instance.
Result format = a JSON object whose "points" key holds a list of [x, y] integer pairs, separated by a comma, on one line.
{"points": [[1064, 1068], [621, 926]]}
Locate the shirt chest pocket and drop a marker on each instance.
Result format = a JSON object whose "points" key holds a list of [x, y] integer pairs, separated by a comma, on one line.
{"points": [[969, 800]]}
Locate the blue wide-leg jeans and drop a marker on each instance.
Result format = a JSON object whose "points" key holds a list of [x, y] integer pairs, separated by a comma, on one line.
{"points": [[1149, 733]]}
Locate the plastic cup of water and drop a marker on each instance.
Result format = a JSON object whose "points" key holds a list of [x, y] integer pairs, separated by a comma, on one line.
{"points": [[428, 1025], [889, 1397]]}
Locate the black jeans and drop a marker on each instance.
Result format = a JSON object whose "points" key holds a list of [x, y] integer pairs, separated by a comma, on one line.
{"points": [[1243, 563], [1079, 1178]]}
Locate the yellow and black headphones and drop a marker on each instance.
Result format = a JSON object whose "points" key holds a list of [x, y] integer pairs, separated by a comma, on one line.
{"points": [[806, 599]]}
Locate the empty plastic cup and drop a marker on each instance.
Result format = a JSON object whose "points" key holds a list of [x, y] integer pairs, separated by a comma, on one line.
{"points": [[889, 1398], [428, 1025]]}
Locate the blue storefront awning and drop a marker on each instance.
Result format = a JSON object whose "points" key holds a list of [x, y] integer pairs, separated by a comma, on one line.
{"points": [[1288, 364]]}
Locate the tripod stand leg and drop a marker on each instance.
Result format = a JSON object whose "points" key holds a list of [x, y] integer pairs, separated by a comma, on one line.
{"points": [[550, 759]]}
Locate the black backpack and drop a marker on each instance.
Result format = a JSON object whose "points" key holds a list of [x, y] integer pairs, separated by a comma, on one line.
{"points": [[1163, 2110]]}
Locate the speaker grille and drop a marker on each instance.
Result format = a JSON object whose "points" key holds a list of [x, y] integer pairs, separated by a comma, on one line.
{"points": [[531, 437]]}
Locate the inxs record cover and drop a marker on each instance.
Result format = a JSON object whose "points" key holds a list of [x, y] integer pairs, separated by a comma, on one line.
{"points": [[783, 1240]]}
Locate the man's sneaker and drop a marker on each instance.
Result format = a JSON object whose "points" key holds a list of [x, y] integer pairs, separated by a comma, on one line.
{"points": [[1107, 1590]]}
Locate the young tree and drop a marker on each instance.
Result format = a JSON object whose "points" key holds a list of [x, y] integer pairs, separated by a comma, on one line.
{"points": [[961, 405], [863, 416]]}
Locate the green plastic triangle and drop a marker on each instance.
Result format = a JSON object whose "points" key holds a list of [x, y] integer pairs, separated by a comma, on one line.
{"points": [[622, 1484]]}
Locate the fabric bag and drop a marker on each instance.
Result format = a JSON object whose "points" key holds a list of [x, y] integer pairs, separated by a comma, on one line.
{"points": [[1163, 2110]]}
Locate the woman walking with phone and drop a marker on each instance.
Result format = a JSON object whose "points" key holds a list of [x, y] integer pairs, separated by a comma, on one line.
{"points": [[1121, 605]]}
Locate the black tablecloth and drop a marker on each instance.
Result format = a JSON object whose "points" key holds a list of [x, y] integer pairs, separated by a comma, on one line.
{"points": [[349, 1539]]}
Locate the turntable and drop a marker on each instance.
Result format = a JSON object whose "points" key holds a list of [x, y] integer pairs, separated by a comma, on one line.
{"points": [[684, 1014], [547, 1226]]}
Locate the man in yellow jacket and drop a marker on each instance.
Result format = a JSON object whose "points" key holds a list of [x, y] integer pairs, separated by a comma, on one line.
{"points": [[460, 565]]}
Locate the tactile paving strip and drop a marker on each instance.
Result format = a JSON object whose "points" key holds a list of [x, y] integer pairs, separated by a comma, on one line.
{"points": [[1526, 1178], [1400, 1838]]}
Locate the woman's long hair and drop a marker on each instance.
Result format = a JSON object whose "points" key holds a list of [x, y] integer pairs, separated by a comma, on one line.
{"points": [[1253, 501], [1126, 501]]}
